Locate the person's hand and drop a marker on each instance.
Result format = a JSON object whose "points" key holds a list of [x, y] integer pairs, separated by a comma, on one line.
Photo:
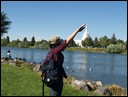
{"points": [[81, 28]]}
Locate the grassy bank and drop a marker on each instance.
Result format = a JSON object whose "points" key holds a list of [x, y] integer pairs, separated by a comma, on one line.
{"points": [[17, 81], [99, 50], [86, 49]]}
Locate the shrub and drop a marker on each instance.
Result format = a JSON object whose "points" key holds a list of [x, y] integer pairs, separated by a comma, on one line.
{"points": [[116, 48], [116, 90]]}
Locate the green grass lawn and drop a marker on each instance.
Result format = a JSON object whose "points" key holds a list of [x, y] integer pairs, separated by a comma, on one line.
{"points": [[16, 81]]}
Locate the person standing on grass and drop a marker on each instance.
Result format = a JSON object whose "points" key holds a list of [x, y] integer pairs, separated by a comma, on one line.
{"points": [[58, 45]]}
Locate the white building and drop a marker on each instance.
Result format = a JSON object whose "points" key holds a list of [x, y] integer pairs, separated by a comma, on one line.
{"points": [[84, 36]]}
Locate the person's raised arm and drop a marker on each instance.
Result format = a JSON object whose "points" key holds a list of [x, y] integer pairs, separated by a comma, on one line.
{"points": [[74, 33]]}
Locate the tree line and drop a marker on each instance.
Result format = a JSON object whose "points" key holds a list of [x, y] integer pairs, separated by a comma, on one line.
{"points": [[113, 45]]}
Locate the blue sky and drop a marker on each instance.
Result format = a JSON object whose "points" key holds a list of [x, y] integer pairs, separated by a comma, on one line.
{"points": [[42, 19]]}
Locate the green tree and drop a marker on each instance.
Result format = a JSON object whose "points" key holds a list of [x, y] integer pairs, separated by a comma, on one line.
{"points": [[5, 23], [25, 39], [72, 44], [8, 39], [33, 41], [87, 42], [119, 41], [25, 43], [113, 39], [104, 41], [14, 43], [4, 42], [126, 44], [96, 42]]}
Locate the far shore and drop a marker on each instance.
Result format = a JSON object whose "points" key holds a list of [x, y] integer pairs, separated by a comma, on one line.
{"points": [[89, 49], [95, 50]]}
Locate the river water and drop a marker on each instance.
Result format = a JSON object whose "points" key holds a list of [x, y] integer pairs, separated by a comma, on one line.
{"points": [[104, 67]]}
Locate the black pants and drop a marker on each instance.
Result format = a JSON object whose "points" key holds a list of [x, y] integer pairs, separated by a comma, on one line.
{"points": [[56, 89]]}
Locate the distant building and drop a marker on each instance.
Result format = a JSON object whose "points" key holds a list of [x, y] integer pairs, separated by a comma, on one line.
{"points": [[85, 35], [78, 42]]}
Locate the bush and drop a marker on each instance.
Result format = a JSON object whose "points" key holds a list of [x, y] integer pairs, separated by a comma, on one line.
{"points": [[116, 90], [116, 48]]}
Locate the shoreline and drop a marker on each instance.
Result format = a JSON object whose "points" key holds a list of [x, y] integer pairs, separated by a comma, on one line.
{"points": [[33, 65], [94, 50], [75, 82]]}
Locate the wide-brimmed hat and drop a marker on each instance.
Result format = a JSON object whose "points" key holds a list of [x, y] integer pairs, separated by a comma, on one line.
{"points": [[54, 40]]}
